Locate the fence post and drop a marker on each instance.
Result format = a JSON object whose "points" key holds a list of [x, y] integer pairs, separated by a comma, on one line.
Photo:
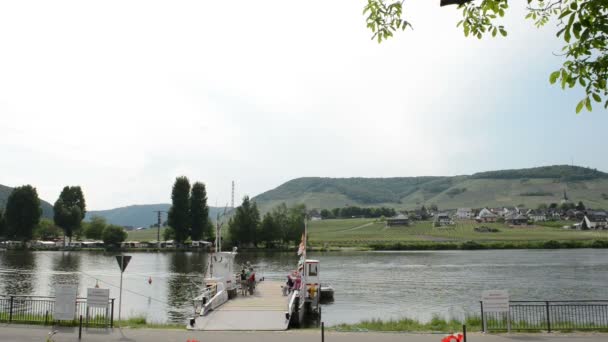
{"points": [[464, 333], [46, 317], [548, 317], [10, 314], [80, 328], [322, 331], [112, 315], [483, 319]]}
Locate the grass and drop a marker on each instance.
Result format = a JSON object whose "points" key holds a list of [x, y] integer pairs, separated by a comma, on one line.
{"points": [[410, 325], [140, 322], [145, 234], [370, 233]]}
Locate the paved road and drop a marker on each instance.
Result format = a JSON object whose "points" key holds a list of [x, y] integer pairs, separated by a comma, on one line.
{"points": [[22, 333]]}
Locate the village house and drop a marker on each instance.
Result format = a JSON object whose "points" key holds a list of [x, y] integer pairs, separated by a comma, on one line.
{"points": [[516, 219], [537, 215], [485, 215], [399, 220], [465, 214], [442, 219], [595, 220]]}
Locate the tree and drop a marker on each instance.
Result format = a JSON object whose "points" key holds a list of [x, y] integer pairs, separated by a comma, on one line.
{"points": [[295, 228], [199, 213], [542, 206], [269, 231], [69, 210], [94, 229], [582, 24], [2, 223], [553, 206], [179, 213], [243, 226], [326, 214], [22, 213], [113, 235], [168, 234], [47, 230], [580, 206]]}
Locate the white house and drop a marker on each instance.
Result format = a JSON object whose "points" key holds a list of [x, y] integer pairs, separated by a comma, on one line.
{"points": [[485, 215], [465, 213]]}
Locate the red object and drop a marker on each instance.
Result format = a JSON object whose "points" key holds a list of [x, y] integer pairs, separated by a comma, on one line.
{"points": [[150, 280], [453, 338]]}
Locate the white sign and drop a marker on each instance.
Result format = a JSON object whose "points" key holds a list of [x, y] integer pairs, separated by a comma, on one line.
{"points": [[495, 301], [65, 302], [98, 297]]}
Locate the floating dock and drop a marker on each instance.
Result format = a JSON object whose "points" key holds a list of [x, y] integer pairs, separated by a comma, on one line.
{"points": [[264, 310]]}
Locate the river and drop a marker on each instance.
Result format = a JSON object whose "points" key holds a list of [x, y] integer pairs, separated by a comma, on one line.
{"points": [[367, 284]]}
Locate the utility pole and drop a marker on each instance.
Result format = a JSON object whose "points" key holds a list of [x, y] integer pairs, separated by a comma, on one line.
{"points": [[232, 201], [159, 219]]}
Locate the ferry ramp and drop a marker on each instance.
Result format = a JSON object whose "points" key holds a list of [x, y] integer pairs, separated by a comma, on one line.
{"points": [[264, 310]]}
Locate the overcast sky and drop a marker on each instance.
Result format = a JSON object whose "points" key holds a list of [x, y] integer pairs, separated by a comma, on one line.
{"points": [[121, 97]]}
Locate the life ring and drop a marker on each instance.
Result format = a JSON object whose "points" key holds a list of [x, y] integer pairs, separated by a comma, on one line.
{"points": [[312, 290]]}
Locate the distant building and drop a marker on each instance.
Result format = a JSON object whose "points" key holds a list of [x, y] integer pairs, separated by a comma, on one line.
{"points": [[442, 219], [399, 220], [465, 213], [485, 215], [516, 219], [537, 215], [595, 220]]}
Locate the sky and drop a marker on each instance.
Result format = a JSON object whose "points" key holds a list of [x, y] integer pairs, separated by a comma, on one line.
{"points": [[121, 97]]}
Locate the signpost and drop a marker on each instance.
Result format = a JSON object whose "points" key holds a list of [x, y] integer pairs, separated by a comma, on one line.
{"points": [[123, 261], [496, 301], [65, 302], [98, 297]]}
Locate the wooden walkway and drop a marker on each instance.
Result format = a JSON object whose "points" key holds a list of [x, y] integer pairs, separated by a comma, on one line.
{"points": [[264, 310]]}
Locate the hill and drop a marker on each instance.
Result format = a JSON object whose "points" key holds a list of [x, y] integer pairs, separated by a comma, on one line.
{"points": [[5, 191], [138, 215], [529, 187]]}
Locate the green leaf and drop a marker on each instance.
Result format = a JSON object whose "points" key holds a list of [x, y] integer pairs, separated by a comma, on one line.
{"points": [[503, 32], [597, 98], [588, 104], [579, 106], [494, 31], [554, 76]]}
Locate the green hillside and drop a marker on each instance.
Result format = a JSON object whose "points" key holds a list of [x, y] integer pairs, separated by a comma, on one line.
{"points": [[5, 191], [529, 187], [139, 215]]}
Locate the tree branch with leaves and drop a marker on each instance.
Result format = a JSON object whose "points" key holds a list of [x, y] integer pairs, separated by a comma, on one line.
{"points": [[582, 24]]}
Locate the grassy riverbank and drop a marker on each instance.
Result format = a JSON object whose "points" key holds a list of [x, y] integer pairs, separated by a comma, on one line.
{"points": [[410, 325], [373, 234]]}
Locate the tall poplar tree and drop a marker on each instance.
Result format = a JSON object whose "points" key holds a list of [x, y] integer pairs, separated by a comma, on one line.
{"points": [[179, 213], [69, 210], [23, 212], [199, 213], [2, 223], [244, 225]]}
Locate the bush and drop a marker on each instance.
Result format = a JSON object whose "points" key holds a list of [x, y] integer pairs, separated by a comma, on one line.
{"points": [[552, 244], [599, 244], [113, 235], [94, 229], [471, 245]]}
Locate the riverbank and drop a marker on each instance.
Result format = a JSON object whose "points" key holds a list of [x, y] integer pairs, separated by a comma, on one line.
{"points": [[11, 333]]}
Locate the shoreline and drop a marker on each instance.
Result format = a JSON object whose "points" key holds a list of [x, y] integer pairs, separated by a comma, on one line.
{"points": [[380, 246]]}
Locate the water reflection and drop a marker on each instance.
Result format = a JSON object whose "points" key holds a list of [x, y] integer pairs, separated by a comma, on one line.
{"points": [[66, 266], [16, 272], [186, 273]]}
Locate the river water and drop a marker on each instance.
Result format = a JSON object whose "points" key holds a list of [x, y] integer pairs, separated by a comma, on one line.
{"points": [[367, 284]]}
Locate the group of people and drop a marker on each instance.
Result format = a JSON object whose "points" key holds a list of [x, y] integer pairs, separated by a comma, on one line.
{"points": [[247, 280], [294, 281]]}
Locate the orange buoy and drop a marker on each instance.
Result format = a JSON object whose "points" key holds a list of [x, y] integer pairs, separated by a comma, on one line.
{"points": [[453, 338], [150, 280]]}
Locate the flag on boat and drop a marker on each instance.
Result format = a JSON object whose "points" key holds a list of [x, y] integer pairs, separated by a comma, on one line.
{"points": [[302, 246]]}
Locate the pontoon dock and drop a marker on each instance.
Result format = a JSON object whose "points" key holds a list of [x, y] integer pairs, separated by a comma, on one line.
{"points": [[264, 310]]}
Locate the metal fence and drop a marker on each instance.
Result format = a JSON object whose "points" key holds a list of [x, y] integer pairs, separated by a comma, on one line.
{"points": [[548, 316], [39, 310]]}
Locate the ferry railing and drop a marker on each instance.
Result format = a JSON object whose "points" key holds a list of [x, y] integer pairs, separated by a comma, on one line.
{"points": [[548, 316], [39, 310]]}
